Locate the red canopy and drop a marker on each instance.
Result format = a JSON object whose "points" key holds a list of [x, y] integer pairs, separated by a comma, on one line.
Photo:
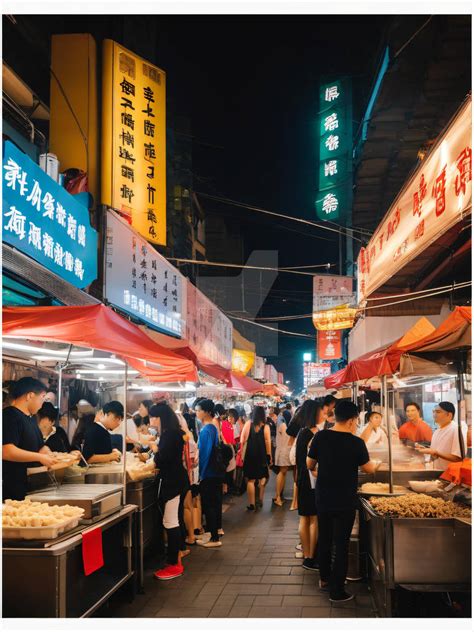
{"points": [[382, 361], [270, 390], [242, 383], [453, 333], [183, 348], [97, 327]]}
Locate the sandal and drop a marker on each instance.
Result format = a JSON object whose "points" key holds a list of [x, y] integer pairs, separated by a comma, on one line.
{"points": [[277, 503], [250, 507]]}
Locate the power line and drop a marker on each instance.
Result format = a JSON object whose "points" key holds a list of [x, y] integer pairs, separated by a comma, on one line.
{"points": [[280, 331], [384, 298], [413, 296], [454, 287], [300, 267], [247, 267], [339, 230]]}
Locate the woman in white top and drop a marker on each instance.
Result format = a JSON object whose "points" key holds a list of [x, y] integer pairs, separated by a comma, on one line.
{"points": [[282, 455], [372, 433], [445, 445]]}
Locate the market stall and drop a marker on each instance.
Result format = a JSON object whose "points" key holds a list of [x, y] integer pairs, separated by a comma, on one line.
{"points": [[95, 345], [397, 517]]}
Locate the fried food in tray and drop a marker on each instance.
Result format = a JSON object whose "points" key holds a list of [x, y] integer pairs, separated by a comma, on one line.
{"points": [[418, 506]]}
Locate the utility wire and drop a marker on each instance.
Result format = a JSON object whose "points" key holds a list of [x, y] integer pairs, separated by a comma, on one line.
{"points": [[402, 48], [247, 267], [280, 331], [407, 298], [314, 265], [384, 298], [340, 230], [416, 298]]}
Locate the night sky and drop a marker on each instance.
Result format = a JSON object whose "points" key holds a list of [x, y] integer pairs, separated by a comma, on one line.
{"points": [[249, 85]]}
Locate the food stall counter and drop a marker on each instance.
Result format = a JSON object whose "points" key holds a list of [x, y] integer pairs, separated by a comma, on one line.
{"points": [[47, 579]]}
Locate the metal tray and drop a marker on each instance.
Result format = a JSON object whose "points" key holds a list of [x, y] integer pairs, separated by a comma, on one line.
{"points": [[369, 494], [96, 500]]}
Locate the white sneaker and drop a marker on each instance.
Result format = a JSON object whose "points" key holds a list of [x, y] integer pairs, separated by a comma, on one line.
{"points": [[212, 544], [299, 555], [299, 547], [204, 539]]}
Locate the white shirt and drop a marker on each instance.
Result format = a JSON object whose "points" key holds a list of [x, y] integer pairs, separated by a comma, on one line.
{"points": [[446, 441], [377, 436]]}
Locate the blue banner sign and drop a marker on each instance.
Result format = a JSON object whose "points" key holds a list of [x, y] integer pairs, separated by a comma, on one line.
{"points": [[43, 220]]}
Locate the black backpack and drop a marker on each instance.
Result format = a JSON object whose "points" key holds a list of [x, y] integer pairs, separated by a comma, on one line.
{"points": [[221, 456]]}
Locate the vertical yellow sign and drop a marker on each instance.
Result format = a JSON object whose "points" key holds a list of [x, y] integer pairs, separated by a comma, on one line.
{"points": [[134, 140]]}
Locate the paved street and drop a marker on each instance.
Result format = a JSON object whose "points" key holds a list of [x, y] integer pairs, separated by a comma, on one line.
{"points": [[255, 574]]}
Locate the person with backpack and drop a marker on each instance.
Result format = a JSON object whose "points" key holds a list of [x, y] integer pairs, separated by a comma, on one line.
{"points": [[211, 475], [257, 445]]}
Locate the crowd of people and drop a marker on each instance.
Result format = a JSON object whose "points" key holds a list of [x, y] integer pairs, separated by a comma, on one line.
{"points": [[205, 451]]}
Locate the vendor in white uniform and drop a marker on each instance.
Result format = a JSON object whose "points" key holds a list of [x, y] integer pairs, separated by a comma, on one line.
{"points": [[445, 447], [372, 433]]}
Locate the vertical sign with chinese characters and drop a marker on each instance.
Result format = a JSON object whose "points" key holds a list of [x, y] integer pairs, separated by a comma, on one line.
{"points": [[134, 140], [139, 281], [41, 219], [329, 345], [208, 330], [334, 197]]}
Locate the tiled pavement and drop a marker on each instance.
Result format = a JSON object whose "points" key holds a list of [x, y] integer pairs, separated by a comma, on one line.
{"points": [[254, 574]]}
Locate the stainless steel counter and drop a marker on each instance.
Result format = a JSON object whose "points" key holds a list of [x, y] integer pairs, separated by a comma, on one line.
{"points": [[432, 554], [48, 580], [141, 493]]}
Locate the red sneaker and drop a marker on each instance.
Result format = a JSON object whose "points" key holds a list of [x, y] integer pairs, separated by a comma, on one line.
{"points": [[170, 572]]}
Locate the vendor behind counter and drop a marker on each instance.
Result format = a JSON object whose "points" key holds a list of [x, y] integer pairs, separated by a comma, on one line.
{"points": [[55, 437], [22, 439], [98, 447], [445, 445]]}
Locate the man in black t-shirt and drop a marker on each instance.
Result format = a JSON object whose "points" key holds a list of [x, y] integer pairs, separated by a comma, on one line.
{"points": [[22, 439], [98, 440], [338, 455]]}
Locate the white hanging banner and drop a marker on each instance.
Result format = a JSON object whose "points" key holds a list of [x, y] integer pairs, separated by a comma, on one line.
{"points": [[434, 199], [139, 281]]}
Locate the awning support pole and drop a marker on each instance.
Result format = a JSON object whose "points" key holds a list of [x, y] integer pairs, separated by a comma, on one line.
{"points": [[460, 397], [389, 432], [124, 434], [60, 388]]}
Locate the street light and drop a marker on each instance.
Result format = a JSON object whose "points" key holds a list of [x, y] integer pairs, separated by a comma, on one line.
{"points": [[287, 382], [307, 357]]}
